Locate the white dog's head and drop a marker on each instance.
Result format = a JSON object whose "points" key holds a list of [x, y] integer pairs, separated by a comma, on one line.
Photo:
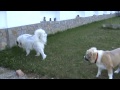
{"points": [[42, 35]]}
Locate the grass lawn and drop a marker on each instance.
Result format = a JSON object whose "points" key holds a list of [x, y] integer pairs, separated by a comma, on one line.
{"points": [[65, 52]]}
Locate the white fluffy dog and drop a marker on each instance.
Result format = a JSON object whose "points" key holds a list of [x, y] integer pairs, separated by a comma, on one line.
{"points": [[33, 42]]}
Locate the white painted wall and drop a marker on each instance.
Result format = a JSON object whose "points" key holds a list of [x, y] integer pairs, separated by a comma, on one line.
{"points": [[112, 12], [10, 19], [64, 15], [19, 18], [96, 13], [104, 12], [101, 13], [3, 20], [109, 12], [58, 15], [89, 13], [49, 14], [82, 13]]}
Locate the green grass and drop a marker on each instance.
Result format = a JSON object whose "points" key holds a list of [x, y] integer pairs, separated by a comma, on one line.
{"points": [[65, 52]]}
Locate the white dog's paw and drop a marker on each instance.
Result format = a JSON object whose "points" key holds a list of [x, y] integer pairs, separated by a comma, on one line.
{"points": [[27, 52], [116, 71], [37, 55], [44, 57], [97, 75]]}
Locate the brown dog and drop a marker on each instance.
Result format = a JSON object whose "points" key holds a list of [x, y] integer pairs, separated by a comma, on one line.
{"points": [[104, 60]]}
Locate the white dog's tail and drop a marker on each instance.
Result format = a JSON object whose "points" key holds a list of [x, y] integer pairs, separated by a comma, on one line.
{"points": [[41, 35], [39, 32]]}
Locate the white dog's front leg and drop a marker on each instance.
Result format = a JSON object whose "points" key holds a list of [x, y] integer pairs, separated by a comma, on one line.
{"points": [[38, 54], [42, 53], [110, 76], [27, 52], [44, 56], [99, 72], [117, 71]]}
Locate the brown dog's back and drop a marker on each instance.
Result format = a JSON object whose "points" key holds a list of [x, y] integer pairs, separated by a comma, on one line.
{"points": [[114, 56]]}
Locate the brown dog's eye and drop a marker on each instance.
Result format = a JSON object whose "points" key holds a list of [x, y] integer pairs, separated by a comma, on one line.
{"points": [[89, 56]]}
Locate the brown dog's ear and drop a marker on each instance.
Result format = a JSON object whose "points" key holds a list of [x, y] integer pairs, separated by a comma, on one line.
{"points": [[94, 55], [93, 48], [87, 51], [91, 53]]}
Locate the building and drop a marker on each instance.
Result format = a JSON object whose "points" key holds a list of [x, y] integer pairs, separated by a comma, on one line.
{"points": [[10, 19]]}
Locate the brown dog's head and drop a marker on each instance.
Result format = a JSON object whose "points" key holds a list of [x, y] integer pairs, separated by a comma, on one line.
{"points": [[91, 55]]}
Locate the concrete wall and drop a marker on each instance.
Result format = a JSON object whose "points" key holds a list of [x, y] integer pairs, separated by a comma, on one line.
{"points": [[8, 36], [3, 39]]}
